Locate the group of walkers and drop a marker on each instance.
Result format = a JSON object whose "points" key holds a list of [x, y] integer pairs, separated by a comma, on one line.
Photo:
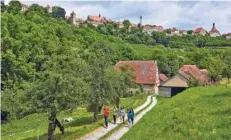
{"points": [[122, 113]]}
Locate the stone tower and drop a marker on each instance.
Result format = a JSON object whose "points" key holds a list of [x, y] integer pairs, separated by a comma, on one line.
{"points": [[73, 18]]}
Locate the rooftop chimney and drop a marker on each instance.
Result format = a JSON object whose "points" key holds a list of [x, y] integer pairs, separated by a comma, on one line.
{"points": [[213, 25], [99, 15]]}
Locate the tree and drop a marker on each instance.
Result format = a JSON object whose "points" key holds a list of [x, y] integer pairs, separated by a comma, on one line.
{"points": [[134, 30], [99, 62], [200, 43], [193, 82], [227, 69], [118, 83], [36, 9], [14, 7], [61, 87], [58, 12], [189, 32], [126, 23], [215, 66], [3, 6]]}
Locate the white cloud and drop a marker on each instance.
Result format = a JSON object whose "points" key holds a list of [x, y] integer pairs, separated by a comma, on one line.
{"points": [[185, 15]]}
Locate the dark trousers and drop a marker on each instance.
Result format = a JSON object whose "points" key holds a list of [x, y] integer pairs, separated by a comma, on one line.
{"points": [[61, 128], [123, 118], [114, 118], [106, 121], [132, 120]]}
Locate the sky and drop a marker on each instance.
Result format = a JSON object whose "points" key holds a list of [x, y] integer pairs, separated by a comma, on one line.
{"points": [[179, 14]]}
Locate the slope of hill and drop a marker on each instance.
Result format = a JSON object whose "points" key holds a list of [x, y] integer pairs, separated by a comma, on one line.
{"points": [[197, 113], [35, 126]]}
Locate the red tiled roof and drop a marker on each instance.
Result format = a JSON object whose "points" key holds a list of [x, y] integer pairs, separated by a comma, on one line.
{"points": [[197, 30], [48, 6], [159, 28], [227, 34], [182, 31], [204, 70], [146, 71], [79, 20], [174, 29], [205, 73], [163, 77], [149, 27], [134, 25], [96, 18], [214, 30], [191, 71], [25, 6]]}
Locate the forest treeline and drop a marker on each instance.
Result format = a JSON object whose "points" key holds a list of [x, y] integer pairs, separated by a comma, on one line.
{"points": [[50, 65]]}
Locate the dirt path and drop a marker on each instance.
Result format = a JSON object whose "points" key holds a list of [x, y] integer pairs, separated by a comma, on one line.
{"points": [[100, 132], [119, 133]]}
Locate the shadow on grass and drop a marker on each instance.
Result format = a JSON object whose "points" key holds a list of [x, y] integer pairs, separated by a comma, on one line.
{"points": [[222, 112], [224, 94], [77, 122], [57, 136], [81, 121]]}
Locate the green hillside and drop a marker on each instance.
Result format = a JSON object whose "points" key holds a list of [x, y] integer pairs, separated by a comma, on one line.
{"points": [[35, 126], [197, 113]]}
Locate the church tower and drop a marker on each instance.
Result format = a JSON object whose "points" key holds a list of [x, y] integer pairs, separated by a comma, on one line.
{"points": [[140, 21], [73, 18]]}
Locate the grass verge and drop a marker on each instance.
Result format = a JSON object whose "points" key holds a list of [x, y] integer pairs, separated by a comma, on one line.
{"points": [[197, 113]]}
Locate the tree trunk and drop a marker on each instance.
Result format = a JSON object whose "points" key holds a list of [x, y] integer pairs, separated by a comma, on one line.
{"points": [[95, 113], [117, 102], [95, 117], [51, 127]]}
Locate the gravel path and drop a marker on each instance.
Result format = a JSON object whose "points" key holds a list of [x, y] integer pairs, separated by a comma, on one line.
{"points": [[119, 133], [100, 132]]}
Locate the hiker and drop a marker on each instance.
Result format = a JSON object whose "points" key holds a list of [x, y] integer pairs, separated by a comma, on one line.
{"points": [[57, 123], [114, 114], [131, 115], [128, 110], [106, 114], [122, 114]]}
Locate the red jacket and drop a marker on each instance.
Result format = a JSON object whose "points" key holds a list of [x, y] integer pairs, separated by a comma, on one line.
{"points": [[106, 111]]}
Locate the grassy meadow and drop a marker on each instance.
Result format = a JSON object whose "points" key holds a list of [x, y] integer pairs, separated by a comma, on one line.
{"points": [[35, 126], [197, 113]]}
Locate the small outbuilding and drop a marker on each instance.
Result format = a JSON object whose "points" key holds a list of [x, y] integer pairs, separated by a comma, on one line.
{"points": [[182, 79]]}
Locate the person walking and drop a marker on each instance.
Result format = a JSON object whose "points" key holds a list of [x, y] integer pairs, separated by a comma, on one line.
{"points": [[128, 111], [122, 114], [114, 114], [106, 114], [131, 115]]}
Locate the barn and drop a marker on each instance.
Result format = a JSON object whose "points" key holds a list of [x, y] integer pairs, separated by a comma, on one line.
{"points": [[181, 80], [146, 73]]}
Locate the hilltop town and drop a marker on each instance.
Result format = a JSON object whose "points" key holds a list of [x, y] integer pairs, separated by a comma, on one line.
{"points": [[100, 20]]}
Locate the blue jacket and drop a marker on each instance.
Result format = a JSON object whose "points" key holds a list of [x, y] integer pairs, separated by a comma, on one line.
{"points": [[131, 114]]}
